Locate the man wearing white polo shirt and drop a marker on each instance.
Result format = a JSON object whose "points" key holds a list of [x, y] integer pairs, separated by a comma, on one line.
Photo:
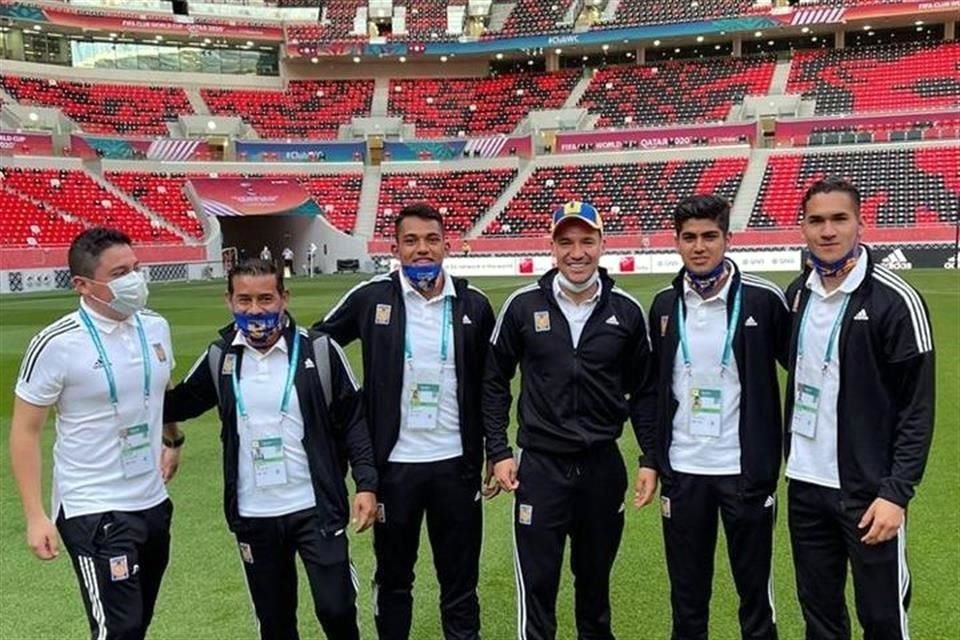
{"points": [[104, 367]]}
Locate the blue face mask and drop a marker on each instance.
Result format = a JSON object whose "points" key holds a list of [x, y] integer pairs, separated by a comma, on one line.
{"points": [[422, 276], [258, 328]]}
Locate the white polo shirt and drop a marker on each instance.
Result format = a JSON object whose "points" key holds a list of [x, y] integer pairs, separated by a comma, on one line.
{"points": [[576, 314], [62, 368], [706, 324], [424, 319], [262, 379], [814, 459]]}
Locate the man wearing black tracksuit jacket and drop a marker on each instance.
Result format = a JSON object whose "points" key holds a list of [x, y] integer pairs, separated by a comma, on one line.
{"points": [[426, 427], [289, 411], [584, 354], [859, 422], [718, 421]]}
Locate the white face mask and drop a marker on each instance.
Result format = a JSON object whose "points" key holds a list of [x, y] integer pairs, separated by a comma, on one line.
{"points": [[129, 294], [578, 288]]}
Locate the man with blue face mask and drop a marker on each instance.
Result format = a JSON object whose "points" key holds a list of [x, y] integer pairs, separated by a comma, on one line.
{"points": [[424, 335], [105, 367], [289, 405]]}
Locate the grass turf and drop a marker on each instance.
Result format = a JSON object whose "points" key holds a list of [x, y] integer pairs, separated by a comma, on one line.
{"points": [[204, 595]]}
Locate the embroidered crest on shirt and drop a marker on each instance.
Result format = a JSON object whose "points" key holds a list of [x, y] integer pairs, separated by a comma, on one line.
{"points": [[229, 364], [861, 315], [750, 322], [541, 321], [466, 319], [612, 320], [382, 316], [161, 354]]}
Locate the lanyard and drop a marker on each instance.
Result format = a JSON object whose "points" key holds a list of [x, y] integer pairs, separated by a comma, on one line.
{"points": [[833, 332], [447, 327], [108, 368], [728, 337], [287, 385]]}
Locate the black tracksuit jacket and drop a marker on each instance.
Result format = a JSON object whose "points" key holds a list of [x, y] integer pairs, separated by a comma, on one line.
{"points": [[329, 434], [374, 313], [571, 399], [760, 341], [885, 408]]}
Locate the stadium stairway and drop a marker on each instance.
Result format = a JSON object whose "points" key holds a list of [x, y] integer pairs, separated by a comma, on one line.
{"points": [[749, 191], [578, 90], [778, 83], [381, 98], [499, 12], [369, 201], [196, 101], [526, 170], [610, 11], [95, 172]]}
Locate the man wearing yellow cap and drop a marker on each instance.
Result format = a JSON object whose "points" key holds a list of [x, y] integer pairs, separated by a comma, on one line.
{"points": [[583, 348]]}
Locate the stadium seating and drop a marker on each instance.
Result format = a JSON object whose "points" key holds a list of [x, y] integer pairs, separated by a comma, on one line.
{"points": [[477, 105], [426, 21], [675, 92], [74, 192], [123, 109], [636, 12], [631, 197], [26, 223], [338, 195], [534, 16], [899, 187], [307, 109], [461, 196], [162, 194], [885, 78]]}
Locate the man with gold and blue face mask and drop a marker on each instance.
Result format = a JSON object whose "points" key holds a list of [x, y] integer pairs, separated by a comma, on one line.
{"points": [[289, 404], [424, 335]]}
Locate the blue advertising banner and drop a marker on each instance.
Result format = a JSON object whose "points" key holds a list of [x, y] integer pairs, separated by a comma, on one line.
{"points": [[263, 151], [423, 150]]}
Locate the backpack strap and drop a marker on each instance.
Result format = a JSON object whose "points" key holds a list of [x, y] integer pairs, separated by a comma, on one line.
{"points": [[214, 353], [321, 357]]}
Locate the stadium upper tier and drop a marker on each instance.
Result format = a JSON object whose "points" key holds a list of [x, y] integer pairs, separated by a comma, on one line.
{"points": [[673, 92], [104, 108], [306, 109], [631, 197], [885, 78], [899, 187], [461, 196], [906, 77], [441, 108]]}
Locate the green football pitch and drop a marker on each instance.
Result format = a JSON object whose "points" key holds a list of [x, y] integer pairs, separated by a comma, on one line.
{"points": [[204, 595]]}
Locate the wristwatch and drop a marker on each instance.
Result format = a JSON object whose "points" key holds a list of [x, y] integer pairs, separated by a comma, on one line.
{"points": [[176, 443]]}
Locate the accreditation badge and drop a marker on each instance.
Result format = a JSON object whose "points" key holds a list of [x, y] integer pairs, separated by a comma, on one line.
{"points": [[423, 400], [706, 406], [269, 469], [806, 408], [136, 455]]}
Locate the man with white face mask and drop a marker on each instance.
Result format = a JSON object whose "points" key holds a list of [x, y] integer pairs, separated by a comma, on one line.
{"points": [[105, 367], [582, 346]]}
